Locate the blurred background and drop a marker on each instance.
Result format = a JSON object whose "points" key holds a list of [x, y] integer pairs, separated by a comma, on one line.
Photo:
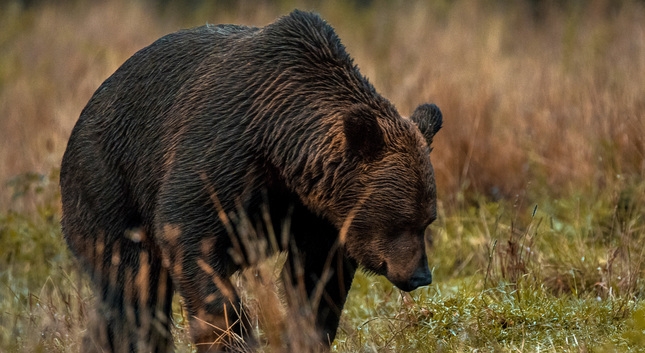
{"points": [[543, 104], [540, 98]]}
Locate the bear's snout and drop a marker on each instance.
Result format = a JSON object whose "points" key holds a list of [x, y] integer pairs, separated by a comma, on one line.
{"points": [[420, 277], [407, 266]]}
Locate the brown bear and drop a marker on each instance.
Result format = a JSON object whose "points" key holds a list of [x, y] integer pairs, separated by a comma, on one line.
{"points": [[211, 121]]}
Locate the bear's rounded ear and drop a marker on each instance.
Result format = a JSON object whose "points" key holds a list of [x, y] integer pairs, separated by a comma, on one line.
{"points": [[363, 133], [428, 119]]}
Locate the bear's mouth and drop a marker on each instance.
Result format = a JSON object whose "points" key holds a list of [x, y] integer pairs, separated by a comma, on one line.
{"points": [[380, 268], [414, 282], [422, 276]]}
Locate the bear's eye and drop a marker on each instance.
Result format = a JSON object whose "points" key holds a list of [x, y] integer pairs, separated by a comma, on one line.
{"points": [[427, 224]]}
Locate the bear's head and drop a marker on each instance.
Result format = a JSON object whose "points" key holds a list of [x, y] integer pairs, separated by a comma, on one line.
{"points": [[391, 198]]}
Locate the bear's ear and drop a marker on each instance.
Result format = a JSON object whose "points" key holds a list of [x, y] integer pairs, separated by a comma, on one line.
{"points": [[363, 133], [429, 119]]}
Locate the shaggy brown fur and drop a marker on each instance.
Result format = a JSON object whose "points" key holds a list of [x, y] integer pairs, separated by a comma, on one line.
{"points": [[215, 120]]}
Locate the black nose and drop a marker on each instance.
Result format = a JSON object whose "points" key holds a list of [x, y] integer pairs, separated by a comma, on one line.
{"points": [[421, 277]]}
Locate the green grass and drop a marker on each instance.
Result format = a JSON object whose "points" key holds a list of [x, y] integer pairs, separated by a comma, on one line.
{"points": [[549, 280], [539, 241], [461, 316], [42, 297]]}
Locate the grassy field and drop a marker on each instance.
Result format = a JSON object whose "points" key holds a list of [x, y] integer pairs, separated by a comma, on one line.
{"points": [[540, 165]]}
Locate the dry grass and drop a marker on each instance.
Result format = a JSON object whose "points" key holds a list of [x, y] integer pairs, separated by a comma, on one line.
{"points": [[543, 105], [539, 104]]}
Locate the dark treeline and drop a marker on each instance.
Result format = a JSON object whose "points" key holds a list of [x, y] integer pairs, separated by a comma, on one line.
{"points": [[537, 7]]}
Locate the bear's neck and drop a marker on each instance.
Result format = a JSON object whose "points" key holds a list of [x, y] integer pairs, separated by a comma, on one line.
{"points": [[296, 123], [305, 151]]}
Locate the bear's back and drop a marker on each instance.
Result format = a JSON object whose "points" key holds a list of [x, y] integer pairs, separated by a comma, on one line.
{"points": [[193, 93]]}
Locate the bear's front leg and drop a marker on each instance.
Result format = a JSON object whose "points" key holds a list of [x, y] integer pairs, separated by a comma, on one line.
{"points": [[327, 272], [194, 249], [200, 272]]}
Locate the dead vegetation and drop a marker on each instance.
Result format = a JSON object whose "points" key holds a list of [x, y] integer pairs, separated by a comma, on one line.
{"points": [[539, 168]]}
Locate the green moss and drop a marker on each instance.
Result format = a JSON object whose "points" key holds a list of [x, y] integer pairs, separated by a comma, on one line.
{"points": [[557, 266]]}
